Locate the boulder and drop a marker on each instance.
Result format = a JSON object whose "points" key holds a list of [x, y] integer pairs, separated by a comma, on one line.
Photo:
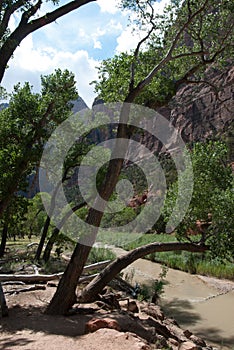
{"points": [[96, 323], [188, 345]]}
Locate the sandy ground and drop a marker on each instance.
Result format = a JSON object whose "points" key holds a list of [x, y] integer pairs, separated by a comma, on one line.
{"points": [[27, 327]]}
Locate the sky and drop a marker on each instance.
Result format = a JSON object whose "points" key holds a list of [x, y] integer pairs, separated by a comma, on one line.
{"points": [[78, 41]]}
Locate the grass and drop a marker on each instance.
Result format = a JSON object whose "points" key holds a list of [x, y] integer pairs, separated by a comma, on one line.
{"points": [[19, 257], [202, 264]]}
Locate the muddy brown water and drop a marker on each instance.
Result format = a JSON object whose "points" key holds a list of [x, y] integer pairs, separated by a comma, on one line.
{"points": [[202, 305]]}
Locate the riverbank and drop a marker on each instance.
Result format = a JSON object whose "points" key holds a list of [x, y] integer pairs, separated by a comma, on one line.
{"points": [[203, 305], [195, 263]]}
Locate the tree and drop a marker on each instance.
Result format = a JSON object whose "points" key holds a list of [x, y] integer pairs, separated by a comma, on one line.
{"points": [[13, 221], [213, 182], [209, 26], [30, 21], [26, 125]]}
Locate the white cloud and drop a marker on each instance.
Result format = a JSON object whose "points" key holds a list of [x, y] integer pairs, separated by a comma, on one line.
{"points": [[97, 45], [110, 6], [29, 64], [130, 36], [127, 40]]}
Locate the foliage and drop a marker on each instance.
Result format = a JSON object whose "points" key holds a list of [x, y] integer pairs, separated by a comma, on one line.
{"points": [[100, 254], [35, 216], [212, 200], [190, 29], [152, 292], [26, 125], [15, 217], [118, 219]]}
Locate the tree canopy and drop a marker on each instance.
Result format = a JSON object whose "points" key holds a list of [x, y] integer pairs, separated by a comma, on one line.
{"points": [[26, 125]]}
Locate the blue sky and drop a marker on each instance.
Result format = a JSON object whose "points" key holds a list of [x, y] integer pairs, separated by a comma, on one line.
{"points": [[77, 41]]}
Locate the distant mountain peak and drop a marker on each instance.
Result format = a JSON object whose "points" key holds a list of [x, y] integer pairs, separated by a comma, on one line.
{"points": [[78, 105]]}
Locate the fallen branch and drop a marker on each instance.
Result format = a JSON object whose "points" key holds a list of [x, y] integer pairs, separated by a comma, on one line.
{"points": [[22, 290], [30, 278], [45, 278]]}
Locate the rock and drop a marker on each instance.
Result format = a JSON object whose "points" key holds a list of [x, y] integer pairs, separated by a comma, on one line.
{"points": [[173, 342], [154, 311], [187, 333], [132, 306], [196, 112], [188, 345], [97, 323], [111, 300], [197, 340]]}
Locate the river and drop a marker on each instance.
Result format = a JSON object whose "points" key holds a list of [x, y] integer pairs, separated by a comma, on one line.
{"points": [[205, 306]]}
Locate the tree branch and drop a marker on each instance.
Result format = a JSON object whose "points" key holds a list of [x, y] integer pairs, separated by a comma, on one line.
{"points": [[7, 15], [137, 50], [90, 292], [24, 28], [168, 57], [30, 12]]}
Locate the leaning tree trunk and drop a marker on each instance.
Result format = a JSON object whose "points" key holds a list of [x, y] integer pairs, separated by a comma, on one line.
{"points": [[65, 296], [90, 292], [50, 244]]}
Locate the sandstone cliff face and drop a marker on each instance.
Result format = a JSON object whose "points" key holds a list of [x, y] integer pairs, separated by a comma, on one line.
{"points": [[200, 112]]}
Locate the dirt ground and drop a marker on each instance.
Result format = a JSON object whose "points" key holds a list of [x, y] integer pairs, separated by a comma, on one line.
{"points": [[28, 328]]}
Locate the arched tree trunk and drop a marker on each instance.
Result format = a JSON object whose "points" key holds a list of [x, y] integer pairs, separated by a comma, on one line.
{"points": [[90, 292], [3, 240]]}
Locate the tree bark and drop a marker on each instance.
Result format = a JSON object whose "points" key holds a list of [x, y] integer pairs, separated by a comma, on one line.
{"points": [[50, 243], [91, 291], [3, 240], [64, 296], [3, 304], [55, 233], [43, 238]]}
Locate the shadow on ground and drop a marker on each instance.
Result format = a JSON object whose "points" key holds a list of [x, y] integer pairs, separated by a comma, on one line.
{"points": [[7, 343], [32, 318]]}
